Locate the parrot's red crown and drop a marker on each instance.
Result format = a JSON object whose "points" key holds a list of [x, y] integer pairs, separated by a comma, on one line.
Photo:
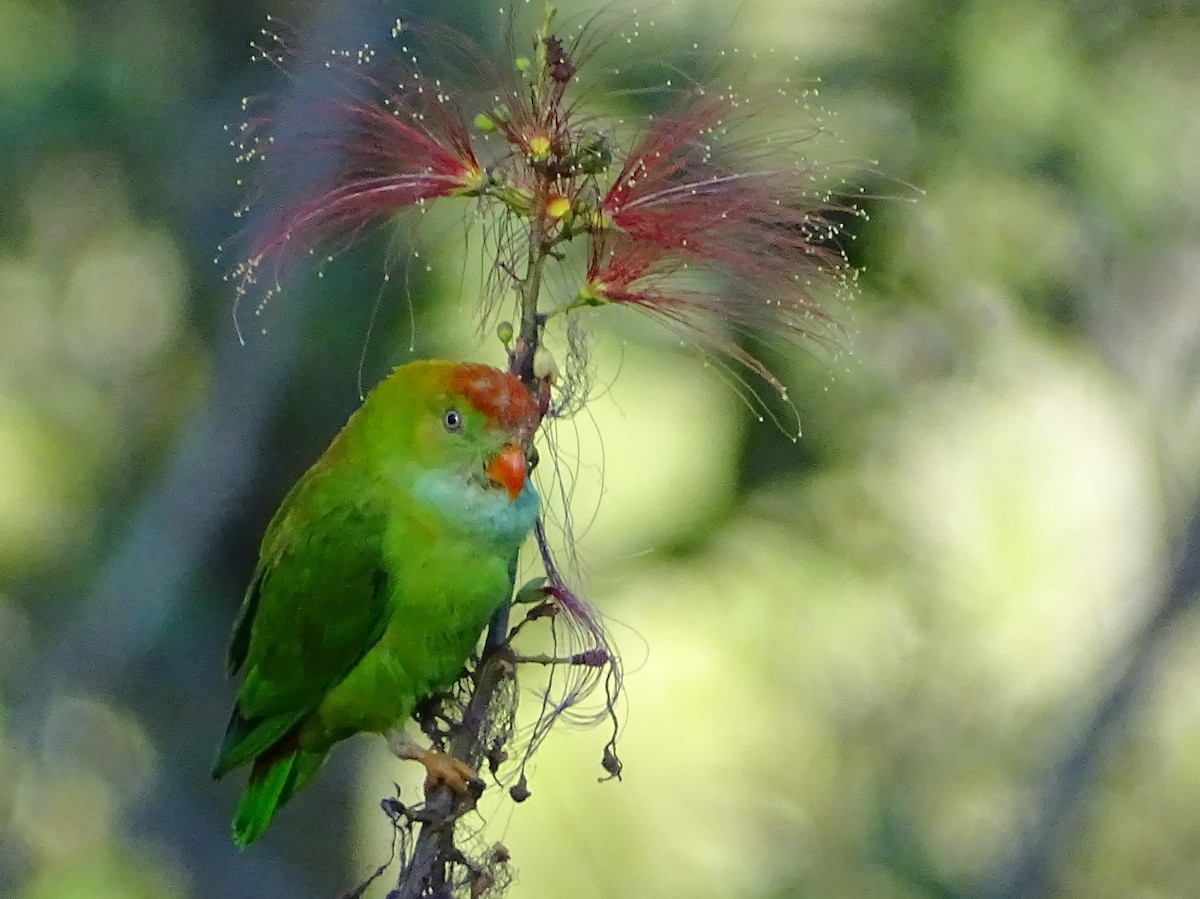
{"points": [[498, 395]]}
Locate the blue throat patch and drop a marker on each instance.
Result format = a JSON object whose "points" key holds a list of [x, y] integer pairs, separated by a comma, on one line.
{"points": [[478, 509]]}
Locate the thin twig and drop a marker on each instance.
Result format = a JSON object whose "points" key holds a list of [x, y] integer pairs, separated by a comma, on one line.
{"points": [[1030, 868], [429, 870]]}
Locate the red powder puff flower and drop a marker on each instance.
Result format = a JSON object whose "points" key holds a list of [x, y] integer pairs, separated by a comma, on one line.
{"points": [[393, 154], [715, 250]]}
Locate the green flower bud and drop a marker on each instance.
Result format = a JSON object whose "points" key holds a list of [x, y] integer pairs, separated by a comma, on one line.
{"points": [[595, 155]]}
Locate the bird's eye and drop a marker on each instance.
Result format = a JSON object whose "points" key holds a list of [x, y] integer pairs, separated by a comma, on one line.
{"points": [[453, 421]]}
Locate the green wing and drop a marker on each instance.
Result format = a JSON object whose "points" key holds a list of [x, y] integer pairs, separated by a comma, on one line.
{"points": [[318, 601]]}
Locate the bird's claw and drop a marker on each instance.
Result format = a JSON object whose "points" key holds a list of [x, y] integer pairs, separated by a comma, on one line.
{"points": [[441, 769], [444, 769]]}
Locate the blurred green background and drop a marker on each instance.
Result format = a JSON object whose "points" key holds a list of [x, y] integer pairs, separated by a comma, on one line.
{"points": [[943, 647]]}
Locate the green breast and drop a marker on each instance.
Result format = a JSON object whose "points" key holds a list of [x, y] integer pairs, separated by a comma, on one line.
{"points": [[448, 571]]}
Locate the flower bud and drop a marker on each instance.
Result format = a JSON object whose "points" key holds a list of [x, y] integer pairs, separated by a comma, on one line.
{"points": [[545, 368], [595, 154]]}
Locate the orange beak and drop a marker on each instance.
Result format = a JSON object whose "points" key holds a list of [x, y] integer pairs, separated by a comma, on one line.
{"points": [[508, 470]]}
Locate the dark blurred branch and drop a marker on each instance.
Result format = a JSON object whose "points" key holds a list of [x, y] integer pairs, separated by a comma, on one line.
{"points": [[169, 534], [141, 589], [1029, 869]]}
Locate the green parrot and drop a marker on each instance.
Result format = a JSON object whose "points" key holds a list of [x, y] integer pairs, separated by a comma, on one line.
{"points": [[378, 574]]}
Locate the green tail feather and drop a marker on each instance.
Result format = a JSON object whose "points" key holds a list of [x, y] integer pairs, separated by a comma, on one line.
{"points": [[269, 788]]}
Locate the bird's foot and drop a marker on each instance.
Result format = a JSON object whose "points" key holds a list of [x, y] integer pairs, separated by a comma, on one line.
{"points": [[440, 768], [443, 768]]}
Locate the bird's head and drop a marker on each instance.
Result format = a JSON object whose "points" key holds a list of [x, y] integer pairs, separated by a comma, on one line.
{"points": [[488, 422], [462, 434]]}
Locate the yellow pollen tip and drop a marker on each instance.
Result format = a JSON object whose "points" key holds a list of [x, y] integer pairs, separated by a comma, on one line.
{"points": [[594, 292], [539, 147], [558, 207], [472, 178]]}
